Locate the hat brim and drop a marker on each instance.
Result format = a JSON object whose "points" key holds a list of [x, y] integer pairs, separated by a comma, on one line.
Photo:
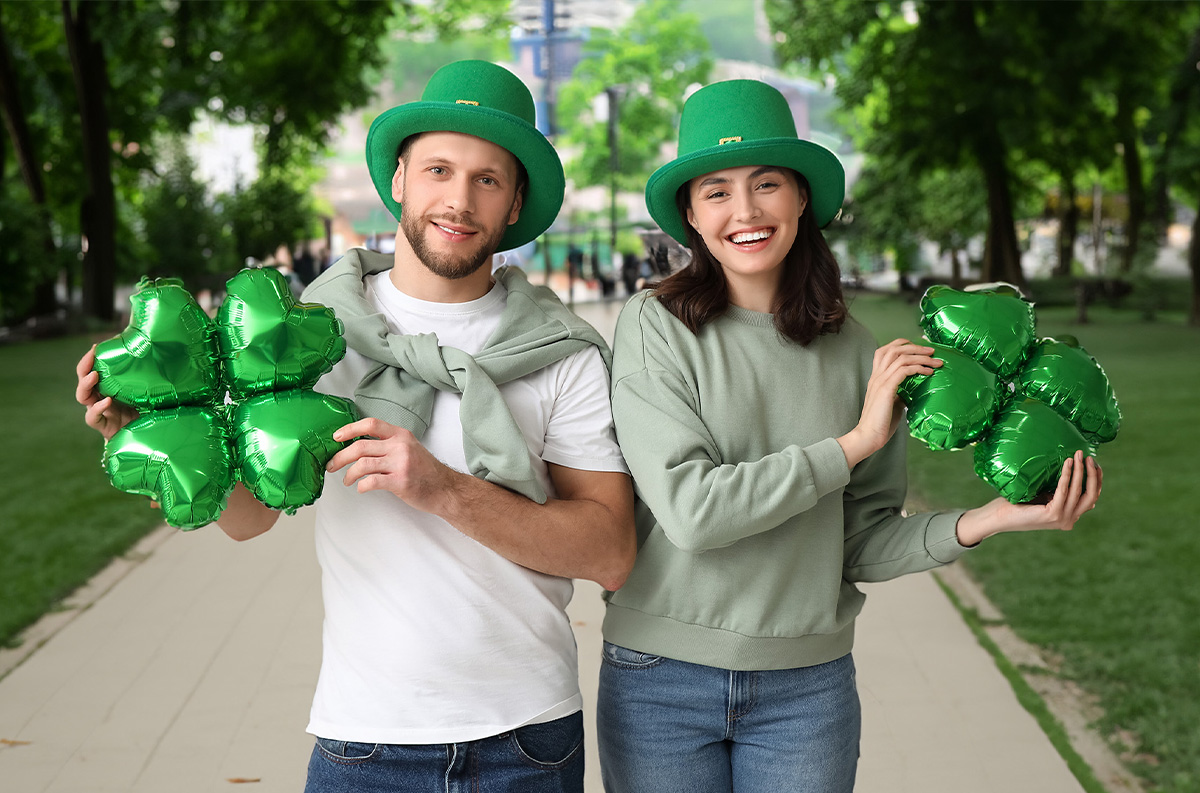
{"points": [[819, 165], [544, 195]]}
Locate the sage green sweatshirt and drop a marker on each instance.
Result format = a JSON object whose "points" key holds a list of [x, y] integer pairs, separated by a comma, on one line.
{"points": [[759, 528]]}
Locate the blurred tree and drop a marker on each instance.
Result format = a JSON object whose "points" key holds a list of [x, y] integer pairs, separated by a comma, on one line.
{"points": [[652, 61], [183, 231], [997, 85], [275, 210], [146, 67]]}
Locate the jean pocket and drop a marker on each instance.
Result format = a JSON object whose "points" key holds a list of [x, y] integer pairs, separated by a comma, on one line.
{"points": [[625, 658], [346, 752], [552, 744]]}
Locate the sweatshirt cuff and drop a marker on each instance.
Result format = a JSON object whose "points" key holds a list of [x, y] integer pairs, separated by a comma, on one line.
{"points": [[941, 537], [830, 470]]}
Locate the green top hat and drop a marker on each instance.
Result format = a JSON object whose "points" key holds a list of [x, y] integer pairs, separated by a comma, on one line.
{"points": [[488, 101], [736, 123]]}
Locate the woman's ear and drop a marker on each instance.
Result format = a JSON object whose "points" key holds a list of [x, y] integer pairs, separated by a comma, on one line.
{"points": [[691, 219]]}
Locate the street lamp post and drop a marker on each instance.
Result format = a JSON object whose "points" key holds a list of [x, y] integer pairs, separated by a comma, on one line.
{"points": [[614, 96]]}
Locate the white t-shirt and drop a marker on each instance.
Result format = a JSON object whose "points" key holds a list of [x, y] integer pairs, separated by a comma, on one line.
{"points": [[430, 636]]}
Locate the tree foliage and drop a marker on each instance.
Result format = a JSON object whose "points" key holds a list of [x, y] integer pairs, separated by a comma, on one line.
{"points": [[652, 61], [1015, 91], [109, 80]]}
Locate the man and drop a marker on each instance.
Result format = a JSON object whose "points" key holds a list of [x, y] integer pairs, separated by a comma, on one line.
{"points": [[448, 659]]}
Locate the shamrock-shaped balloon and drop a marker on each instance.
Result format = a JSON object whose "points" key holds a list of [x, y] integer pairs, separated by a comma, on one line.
{"points": [[993, 326], [1060, 373], [166, 356], [1023, 454], [1048, 400], [953, 406], [226, 401]]}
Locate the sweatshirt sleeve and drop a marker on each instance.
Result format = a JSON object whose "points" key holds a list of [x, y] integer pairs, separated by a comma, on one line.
{"points": [[881, 542], [699, 501]]}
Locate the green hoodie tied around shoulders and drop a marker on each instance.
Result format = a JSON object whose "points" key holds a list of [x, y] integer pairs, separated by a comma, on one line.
{"points": [[535, 330]]}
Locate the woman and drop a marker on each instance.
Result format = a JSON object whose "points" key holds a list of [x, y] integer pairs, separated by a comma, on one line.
{"points": [[759, 422]]}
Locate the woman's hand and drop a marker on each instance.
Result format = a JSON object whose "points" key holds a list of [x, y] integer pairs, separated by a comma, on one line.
{"points": [[1077, 492], [882, 408], [104, 414]]}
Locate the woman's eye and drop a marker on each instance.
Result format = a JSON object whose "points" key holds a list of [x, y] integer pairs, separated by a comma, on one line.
{"points": [[716, 194], [768, 185]]}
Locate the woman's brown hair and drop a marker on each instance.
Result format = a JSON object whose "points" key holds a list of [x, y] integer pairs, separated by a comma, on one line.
{"points": [[809, 302]]}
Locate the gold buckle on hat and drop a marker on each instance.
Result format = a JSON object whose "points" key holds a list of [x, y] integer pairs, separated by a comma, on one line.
{"points": [[466, 102], [732, 139]]}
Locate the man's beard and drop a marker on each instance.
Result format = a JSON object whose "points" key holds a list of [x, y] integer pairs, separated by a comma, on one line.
{"points": [[444, 265]]}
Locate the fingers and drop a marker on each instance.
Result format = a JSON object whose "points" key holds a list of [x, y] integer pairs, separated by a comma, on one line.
{"points": [[355, 452], [87, 362], [85, 390], [94, 416], [363, 427]]}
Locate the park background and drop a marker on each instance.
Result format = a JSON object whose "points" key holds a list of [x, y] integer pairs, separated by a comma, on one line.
{"points": [[1052, 145]]}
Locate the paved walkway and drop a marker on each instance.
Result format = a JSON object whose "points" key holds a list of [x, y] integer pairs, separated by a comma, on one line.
{"points": [[192, 669]]}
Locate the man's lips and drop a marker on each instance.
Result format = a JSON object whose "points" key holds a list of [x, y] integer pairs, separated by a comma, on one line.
{"points": [[454, 231]]}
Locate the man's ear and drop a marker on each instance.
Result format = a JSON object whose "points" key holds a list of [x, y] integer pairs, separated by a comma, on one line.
{"points": [[518, 201], [398, 182]]}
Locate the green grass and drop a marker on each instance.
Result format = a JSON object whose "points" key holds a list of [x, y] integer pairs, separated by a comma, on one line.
{"points": [[60, 519], [1118, 599]]}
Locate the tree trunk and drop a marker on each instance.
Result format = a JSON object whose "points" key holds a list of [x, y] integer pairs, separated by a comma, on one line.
{"points": [[1194, 265], [1068, 227], [956, 269], [1135, 189], [16, 122], [98, 210], [1001, 254]]}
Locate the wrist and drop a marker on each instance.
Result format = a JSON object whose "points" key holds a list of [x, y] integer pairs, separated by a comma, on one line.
{"points": [[854, 447], [976, 525]]}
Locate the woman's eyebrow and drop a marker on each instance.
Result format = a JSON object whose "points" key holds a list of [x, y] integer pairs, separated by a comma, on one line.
{"points": [[766, 169]]}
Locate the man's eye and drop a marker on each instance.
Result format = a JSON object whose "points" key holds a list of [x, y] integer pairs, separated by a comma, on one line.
{"points": [[487, 180], [438, 170]]}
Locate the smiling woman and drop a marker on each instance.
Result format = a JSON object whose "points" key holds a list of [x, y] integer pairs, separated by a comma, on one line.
{"points": [[758, 420]]}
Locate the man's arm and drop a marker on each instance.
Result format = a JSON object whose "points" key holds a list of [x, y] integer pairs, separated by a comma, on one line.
{"points": [[587, 532]]}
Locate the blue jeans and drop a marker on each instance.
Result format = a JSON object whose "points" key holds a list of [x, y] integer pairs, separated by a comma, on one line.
{"points": [[538, 758], [667, 726]]}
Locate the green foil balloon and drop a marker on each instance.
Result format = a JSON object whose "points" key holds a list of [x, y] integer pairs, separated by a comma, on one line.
{"points": [[268, 341], [186, 458], [180, 458], [166, 357], [1022, 455], [284, 440], [953, 406], [1061, 374], [995, 327]]}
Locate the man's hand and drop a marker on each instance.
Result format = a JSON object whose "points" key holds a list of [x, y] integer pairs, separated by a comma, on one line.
{"points": [[104, 414], [387, 457]]}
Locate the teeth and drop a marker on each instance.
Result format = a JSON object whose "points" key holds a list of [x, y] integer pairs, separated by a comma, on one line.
{"points": [[448, 231], [752, 236]]}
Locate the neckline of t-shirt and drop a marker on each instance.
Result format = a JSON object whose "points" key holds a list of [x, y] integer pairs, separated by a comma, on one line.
{"points": [[747, 316], [403, 303]]}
